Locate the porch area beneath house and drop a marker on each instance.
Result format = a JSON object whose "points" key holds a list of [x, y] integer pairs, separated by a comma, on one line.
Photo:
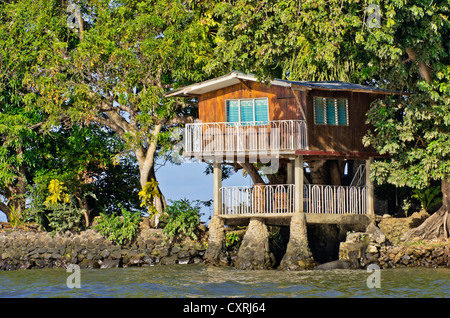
{"points": [[322, 204]]}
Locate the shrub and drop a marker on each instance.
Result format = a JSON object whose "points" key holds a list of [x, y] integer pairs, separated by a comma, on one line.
{"points": [[183, 218], [53, 210], [64, 216], [428, 198], [119, 228]]}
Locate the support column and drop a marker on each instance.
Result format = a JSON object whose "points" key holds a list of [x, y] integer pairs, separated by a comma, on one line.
{"points": [[290, 172], [299, 184], [217, 196], [370, 191], [216, 253], [254, 252], [298, 256]]}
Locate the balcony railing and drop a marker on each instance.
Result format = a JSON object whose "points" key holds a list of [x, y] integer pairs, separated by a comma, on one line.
{"points": [[269, 136], [335, 199], [274, 199]]}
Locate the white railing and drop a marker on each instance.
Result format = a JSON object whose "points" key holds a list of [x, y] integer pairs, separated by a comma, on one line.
{"points": [[280, 199], [258, 199], [280, 135], [335, 199]]}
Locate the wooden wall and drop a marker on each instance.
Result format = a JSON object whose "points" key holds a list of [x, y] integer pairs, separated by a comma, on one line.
{"points": [[284, 106], [340, 138], [282, 103]]}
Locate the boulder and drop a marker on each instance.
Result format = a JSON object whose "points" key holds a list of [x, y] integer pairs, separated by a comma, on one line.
{"points": [[375, 234], [339, 264]]}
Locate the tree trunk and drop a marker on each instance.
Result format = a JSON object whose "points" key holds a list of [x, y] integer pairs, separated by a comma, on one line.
{"points": [[252, 172], [438, 224], [5, 209]]}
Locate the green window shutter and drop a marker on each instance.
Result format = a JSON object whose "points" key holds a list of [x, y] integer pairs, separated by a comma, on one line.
{"points": [[342, 112], [232, 109], [247, 111], [319, 114], [261, 110], [331, 111]]}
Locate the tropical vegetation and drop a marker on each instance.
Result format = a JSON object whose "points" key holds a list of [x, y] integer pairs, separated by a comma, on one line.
{"points": [[82, 86]]}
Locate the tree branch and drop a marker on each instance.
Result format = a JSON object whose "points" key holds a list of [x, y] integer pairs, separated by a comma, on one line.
{"points": [[424, 70]]}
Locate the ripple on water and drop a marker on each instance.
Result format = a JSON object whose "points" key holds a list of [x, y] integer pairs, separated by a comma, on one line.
{"points": [[204, 281]]}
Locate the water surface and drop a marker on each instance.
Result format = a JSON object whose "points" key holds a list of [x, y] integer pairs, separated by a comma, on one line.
{"points": [[206, 281]]}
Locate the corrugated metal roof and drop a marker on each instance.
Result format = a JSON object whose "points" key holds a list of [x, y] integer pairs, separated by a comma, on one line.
{"points": [[236, 77]]}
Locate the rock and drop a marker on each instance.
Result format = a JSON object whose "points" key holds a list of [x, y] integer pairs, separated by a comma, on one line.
{"points": [[375, 234], [89, 264], [183, 261], [339, 264], [169, 260], [371, 249], [351, 250], [405, 259], [110, 263], [136, 260]]}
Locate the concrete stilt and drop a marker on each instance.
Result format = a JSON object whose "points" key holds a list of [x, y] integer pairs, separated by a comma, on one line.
{"points": [[298, 256], [254, 251], [215, 253]]}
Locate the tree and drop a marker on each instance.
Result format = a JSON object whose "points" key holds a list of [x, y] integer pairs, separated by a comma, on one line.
{"points": [[20, 119], [110, 63], [414, 130], [38, 145], [390, 44]]}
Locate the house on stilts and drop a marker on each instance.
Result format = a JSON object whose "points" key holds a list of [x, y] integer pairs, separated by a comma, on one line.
{"points": [[308, 133]]}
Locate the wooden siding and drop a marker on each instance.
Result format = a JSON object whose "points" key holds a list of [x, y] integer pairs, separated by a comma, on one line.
{"points": [[283, 106], [340, 138], [282, 103]]}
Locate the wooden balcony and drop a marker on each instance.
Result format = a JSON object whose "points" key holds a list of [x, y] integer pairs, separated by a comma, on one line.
{"points": [[203, 140], [266, 200]]}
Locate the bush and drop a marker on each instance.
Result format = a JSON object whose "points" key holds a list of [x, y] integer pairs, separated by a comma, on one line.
{"points": [[52, 213], [183, 218], [119, 228], [64, 216]]}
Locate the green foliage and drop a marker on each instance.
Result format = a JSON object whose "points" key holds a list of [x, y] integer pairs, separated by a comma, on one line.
{"points": [[53, 216], [428, 198], [183, 218], [64, 216], [231, 238], [119, 228], [15, 217], [148, 194]]}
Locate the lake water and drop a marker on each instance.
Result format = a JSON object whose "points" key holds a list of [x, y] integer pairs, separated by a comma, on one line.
{"points": [[206, 281]]}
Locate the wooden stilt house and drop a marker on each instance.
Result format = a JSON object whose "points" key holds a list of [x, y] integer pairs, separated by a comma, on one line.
{"points": [[297, 124]]}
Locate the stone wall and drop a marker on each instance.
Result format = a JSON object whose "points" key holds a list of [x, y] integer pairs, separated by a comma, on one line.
{"points": [[373, 247], [427, 254], [28, 249], [394, 228]]}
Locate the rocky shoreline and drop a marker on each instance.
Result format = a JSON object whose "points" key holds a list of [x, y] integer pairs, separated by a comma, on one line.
{"points": [[21, 249], [30, 249], [373, 247]]}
